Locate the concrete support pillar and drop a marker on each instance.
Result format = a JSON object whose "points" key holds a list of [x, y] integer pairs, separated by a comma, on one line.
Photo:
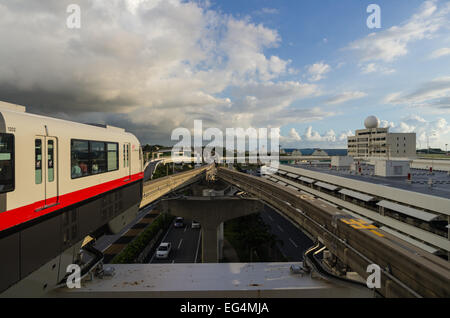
{"points": [[210, 250], [211, 212], [220, 240]]}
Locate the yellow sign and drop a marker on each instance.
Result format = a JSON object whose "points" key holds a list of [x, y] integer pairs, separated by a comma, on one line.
{"points": [[362, 225]]}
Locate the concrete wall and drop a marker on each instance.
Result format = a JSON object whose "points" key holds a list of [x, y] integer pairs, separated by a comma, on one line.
{"points": [[391, 168]]}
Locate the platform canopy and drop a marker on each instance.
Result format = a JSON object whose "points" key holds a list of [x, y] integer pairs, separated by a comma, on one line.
{"points": [[357, 195], [418, 214], [307, 180], [326, 186], [408, 239]]}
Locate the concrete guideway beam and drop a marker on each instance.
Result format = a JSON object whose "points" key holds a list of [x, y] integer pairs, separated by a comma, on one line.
{"points": [[211, 212]]}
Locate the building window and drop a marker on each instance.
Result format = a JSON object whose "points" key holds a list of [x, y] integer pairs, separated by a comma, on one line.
{"points": [[6, 162]]}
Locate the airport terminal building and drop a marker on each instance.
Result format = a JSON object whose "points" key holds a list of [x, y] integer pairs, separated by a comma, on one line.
{"points": [[374, 141]]}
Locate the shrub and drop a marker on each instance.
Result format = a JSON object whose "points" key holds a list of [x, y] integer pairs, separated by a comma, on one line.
{"points": [[132, 251]]}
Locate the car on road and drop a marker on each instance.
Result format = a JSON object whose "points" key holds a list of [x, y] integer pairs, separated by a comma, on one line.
{"points": [[163, 250], [179, 222], [195, 224]]}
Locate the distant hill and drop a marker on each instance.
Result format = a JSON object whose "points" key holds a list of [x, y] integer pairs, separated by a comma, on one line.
{"points": [[309, 151]]}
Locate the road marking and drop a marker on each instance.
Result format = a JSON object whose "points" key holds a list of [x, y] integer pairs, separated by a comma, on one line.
{"points": [[293, 243], [185, 228], [198, 246], [179, 244], [269, 217], [281, 229]]}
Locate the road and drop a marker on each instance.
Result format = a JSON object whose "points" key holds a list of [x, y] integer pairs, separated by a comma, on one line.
{"points": [[185, 245], [295, 242]]}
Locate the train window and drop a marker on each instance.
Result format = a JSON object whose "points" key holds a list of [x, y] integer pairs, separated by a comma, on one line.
{"points": [[50, 161], [6, 162], [124, 155], [79, 158], [38, 161], [128, 155], [113, 156], [98, 157], [93, 157]]}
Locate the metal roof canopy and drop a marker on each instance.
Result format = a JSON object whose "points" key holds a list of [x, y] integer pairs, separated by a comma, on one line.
{"points": [[282, 183], [408, 239], [357, 195], [422, 215], [293, 175], [326, 185], [307, 180]]}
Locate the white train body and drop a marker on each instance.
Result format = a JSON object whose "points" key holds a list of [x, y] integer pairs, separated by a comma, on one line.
{"points": [[60, 181]]}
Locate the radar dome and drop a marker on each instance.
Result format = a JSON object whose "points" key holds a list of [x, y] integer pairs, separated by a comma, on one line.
{"points": [[372, 122]]}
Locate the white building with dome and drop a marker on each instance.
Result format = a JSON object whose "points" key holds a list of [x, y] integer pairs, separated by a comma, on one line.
{"points": [[374, 141]]}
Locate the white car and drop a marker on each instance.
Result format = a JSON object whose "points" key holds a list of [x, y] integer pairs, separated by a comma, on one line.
{"points": [[195, 225], [163, 250]]}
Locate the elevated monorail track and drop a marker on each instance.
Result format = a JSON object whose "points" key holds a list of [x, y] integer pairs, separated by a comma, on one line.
{"points": [[155, 189], [406, 270]]}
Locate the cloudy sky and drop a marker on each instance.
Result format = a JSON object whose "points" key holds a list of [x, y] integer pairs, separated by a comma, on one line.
{"points": [[312, 68]]}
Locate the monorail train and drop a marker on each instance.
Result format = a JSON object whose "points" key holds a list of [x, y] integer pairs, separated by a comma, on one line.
{"points": [[60, 181]]}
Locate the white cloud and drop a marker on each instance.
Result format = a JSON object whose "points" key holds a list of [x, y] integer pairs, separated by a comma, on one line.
{"points": [[293, 135], [317, 71], [314, 139], [432, 94], [393, 43], [268, 11], [345, 97], [440, 53], [147, 65], [375, 68]]}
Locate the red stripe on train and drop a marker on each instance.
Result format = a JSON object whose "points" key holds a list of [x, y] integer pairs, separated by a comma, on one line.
{"points": [[27, 213]]}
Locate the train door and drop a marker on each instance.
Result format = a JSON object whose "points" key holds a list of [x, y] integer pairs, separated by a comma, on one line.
{"points": [[46, 169], [51, 180]]}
